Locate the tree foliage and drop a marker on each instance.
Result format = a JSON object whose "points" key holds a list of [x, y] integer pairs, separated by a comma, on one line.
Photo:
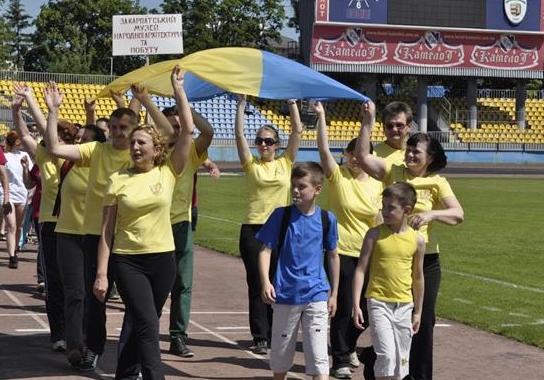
{"points": [[74, 36], [218, 23], [18, 42]]}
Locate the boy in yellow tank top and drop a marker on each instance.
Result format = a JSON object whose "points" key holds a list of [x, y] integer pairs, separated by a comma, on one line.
{"points": [[393, 254]]}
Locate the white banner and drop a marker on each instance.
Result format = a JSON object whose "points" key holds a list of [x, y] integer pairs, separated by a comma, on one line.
{"points": [[147, 34]]}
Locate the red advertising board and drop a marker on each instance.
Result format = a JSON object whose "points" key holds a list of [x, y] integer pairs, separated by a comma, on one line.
{"points": [[333, 44]]}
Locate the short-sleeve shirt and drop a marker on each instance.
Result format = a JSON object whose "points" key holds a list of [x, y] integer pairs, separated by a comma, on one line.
{"points": [[183, 192], [355, 204], [390, 267], [391, 155], [49, 176], [72, 206], [143, 210], [268, 186], [300, 276], [103, 160], [431, 190]]}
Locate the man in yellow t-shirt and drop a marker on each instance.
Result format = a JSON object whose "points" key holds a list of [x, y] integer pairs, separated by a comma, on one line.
{"points": [[397, 118], [180, 218]]}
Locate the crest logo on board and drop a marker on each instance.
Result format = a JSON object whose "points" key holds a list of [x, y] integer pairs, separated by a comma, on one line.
{"points": [[515, 10]]}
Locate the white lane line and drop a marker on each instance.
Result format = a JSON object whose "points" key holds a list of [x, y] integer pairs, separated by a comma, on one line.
{"points": [[495, 281], [442, 325], [519, 315], [232, 328], [233, 343], [491, 308], [220, 219], [31, 330], [18, 302], [462, 300]]}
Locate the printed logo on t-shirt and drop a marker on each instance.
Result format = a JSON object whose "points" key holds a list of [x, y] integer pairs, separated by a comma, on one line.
{"points": [[157, 188]]}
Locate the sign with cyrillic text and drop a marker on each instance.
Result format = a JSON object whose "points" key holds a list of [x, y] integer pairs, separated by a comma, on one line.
{"points": [[147, 34]]}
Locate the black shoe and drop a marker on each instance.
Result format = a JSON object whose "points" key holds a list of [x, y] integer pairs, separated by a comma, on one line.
{"points": [[178, 347], [14, 262], [89, 361], [260, 347], [75, 357]]}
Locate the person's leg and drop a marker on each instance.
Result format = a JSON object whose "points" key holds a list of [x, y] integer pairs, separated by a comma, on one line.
{"points": [[383, 338], [70, 261], [343, 333], [259, 312], [96, 325], [315, 318], [402, 328], [54, 293], [144, 282], [25, 228], [194, 217], [181, 294], [39, 261], [421, 353], [286, 320], [20, 210]]}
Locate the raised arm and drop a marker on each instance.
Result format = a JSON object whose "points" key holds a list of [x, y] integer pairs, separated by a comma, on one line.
{"points": [[325, 155], [375, 166], [180, 153], [119, 100], [28, 142], [244, 153], [100, 287], [296, 130], [90, 111], [204, 139], [161, 122], [27, 178], [212, 168], [53, 99], [6, 205], [25, 91]]}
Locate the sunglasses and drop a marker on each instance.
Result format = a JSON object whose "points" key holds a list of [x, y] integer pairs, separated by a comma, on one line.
{"points": [[267, 141], [395, 125]]}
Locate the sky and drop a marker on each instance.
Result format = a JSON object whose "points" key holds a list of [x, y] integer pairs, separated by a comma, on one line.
{"points": [[32, 7]]}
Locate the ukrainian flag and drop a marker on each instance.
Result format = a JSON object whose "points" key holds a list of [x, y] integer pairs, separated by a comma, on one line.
{"points": [[248, 71]]}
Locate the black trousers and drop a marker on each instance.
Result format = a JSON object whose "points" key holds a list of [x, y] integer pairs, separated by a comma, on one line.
{"points": [[71, 265], [343, 332], [421, 353], [54, 297], [143, 282], [96, 326], [260, 314]]}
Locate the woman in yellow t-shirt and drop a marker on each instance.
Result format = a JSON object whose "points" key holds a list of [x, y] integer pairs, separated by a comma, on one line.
{"points": [[354, 198], [435, 202], [136, 229], [268, 183]]}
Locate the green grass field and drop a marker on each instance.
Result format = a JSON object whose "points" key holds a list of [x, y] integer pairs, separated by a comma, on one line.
{"points": [[491, 263]]}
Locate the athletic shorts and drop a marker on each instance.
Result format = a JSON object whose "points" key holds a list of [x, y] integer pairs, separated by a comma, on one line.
{"points": [[285, 323], [391, 331]]}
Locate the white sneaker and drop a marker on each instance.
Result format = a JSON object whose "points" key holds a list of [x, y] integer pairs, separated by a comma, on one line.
{"points": [[354, 360], [341, 373]]}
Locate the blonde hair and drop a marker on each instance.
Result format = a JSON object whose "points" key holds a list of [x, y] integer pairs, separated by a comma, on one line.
{"points": [[158, 142]]}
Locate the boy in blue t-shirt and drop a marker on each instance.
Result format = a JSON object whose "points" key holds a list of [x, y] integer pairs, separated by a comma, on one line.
{"points": [[300, 291]]}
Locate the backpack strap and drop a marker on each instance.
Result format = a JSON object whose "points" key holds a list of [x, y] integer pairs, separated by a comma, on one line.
{"points": [[64, 169], [325, 223]]}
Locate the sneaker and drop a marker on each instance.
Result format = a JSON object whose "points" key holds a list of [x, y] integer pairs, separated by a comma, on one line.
{"points": [[178, 347], [40, 288], [261, 347], [354, 360], [59, 346], [89, 361], [341, 373], [75, 357], [14, 262]]}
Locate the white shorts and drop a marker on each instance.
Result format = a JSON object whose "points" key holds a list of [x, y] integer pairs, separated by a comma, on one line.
{"points": [[391, 331], [314, 317]]}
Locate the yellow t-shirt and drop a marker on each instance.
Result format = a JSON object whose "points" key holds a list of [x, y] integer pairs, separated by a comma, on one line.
{"points": [[390, 273], [268, 186], [183, 192], [143, 210], [430, 192], [49, 176], [391, 155], [355, 204], [72, 205], [103, 160]]}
